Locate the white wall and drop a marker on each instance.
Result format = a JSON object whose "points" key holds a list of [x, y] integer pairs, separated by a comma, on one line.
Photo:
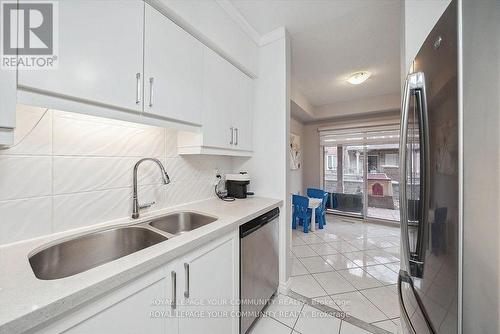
{"points": [[208, 21], [75, 170], [311, 157], [359, 106], [373, 104], [302, 102], [481, 119], [296, 127], [269, 166]]}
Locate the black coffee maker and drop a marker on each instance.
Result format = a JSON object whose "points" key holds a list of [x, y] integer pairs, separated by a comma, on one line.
{"points": [[237, 185]]}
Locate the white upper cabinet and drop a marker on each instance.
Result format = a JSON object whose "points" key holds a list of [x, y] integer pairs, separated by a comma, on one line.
{"points": [[128, 61], [100, 54], [7, 107], [173, 70], [218, 101], [242, 117], [227, 101], [227, 111]]}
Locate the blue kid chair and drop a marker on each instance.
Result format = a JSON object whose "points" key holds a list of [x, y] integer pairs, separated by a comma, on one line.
{"points": [[300, 212], [321, 210]]}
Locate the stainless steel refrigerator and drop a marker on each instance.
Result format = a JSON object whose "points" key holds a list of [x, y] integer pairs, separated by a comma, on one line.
{"points": [[429, 195]]}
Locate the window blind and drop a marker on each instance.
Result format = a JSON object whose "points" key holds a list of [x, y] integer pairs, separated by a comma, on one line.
{"points": [[359, 135]]}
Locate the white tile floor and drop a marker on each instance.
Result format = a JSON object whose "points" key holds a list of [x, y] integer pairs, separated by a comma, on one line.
{"points": [[287, 315], [350, 265], [291, 316]]}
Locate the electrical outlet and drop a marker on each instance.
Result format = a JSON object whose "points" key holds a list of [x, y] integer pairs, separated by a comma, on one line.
{"points": [[217, 176]]}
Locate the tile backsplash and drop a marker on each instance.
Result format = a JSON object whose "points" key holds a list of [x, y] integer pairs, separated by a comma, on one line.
{"points": [[73, 170]]}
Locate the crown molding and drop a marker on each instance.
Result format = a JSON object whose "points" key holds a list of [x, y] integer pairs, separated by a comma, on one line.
{"points": [[238, 18], [272, 36]]}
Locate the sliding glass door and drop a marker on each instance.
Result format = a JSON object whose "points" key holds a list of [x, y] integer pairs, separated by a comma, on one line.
{"points": [[382, 181], [343, 178], [361, 173]]}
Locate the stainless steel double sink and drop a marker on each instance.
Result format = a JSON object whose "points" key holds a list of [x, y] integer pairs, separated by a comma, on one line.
{"points": [[90, 250]]}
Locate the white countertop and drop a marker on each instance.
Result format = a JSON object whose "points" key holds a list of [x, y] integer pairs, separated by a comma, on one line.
{"points": [[26, 301]]}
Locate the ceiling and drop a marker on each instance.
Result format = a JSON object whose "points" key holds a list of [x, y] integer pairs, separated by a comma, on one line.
{"points": [[331, 39]]}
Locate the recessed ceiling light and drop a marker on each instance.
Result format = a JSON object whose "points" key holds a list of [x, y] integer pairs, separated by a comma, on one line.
{"points": [[358, 77]]}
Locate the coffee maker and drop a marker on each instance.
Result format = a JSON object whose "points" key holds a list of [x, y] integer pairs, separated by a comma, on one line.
{"points": [[237, 185]]}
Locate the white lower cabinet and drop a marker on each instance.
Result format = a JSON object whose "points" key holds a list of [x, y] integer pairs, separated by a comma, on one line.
{"points": [[210, 288], [137, 307], [196, 293]]}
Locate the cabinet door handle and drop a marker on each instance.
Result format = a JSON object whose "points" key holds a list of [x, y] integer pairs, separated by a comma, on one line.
{"points": [[138, 88], [173, 303], [232, 136], [186, 269], [236, 132], [151, 91]]}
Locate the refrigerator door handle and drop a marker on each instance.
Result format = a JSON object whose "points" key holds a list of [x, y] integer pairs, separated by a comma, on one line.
{"points": [[417, 263], [403, 202], [414, 85], [414, 263]]}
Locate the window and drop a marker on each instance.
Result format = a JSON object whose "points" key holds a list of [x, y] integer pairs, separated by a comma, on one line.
{"points": [[367, 184], [391, 159], [372, 163], [331, 162]]}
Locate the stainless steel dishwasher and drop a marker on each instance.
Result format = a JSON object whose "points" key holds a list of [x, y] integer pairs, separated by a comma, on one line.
{"points": [[258, 266]]}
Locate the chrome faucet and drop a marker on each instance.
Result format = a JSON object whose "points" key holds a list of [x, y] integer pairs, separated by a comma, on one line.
{"points": [[166, 180]]}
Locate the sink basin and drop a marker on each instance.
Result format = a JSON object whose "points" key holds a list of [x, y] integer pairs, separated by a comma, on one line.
{"points": [[88, 251], [181, 222]]}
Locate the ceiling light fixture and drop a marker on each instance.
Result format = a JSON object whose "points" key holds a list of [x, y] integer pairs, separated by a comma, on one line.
{"points": [[358, 77]]}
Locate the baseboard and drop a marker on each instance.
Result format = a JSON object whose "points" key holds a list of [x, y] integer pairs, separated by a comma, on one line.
{"points": [[284, 287], [385, 222]]}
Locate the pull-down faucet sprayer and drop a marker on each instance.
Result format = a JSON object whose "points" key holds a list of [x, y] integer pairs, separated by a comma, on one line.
{"points": [[135, 202]]}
